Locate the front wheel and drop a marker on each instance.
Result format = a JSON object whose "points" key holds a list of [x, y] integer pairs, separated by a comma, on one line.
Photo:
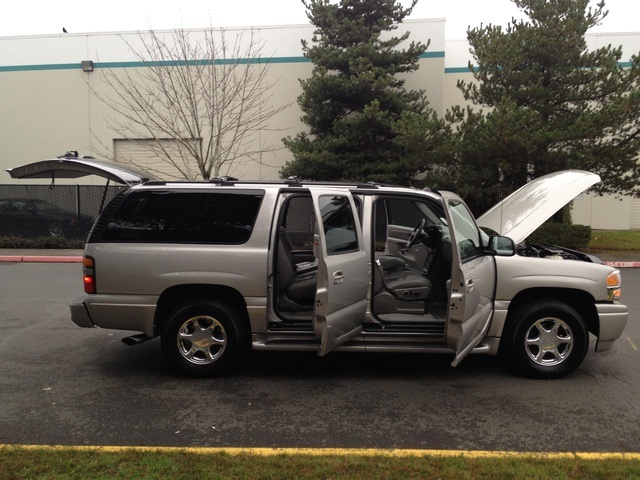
{"points": [[55, 229], [545, 339], [203, 338]]}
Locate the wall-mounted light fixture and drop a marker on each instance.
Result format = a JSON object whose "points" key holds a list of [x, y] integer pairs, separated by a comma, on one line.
{"points": [[87, 65]]}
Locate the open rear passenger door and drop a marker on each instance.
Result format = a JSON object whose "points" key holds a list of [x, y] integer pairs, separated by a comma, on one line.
{"points": [[343, 269], [473, 280]]}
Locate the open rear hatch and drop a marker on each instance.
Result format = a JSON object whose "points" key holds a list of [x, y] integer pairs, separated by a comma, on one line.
{"points": [[70, 165]]}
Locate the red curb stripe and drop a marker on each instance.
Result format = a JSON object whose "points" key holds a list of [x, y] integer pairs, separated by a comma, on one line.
{"points": [[41, 258], [623, 264]]}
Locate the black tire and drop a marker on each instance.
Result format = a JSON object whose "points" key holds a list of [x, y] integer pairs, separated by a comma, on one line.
{"points": [[545, 339], [220, 343], [55, 229]]}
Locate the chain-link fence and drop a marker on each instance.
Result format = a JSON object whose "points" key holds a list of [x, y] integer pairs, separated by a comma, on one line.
{"points": [[31, 211], [300, 222]]}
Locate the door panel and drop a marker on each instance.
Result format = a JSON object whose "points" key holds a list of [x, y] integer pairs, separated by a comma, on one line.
{"points": [[472, 281], [397, 237], [343, 270]]}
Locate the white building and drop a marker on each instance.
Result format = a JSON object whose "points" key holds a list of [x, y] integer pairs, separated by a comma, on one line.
{"points": [[48, 106]]}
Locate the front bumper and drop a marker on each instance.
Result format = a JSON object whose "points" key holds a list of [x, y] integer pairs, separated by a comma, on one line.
{"points": [[612, 319]]}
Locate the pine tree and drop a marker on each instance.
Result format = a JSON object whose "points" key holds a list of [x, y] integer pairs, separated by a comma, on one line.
{"points": [[354, 99], [551, 105]]}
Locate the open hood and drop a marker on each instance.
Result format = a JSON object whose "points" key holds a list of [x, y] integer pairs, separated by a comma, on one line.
{"points": [[74, 167], [522, 212]]}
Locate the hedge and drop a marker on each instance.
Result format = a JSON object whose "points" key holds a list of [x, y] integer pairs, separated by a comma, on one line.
{"points": [[570, 236], [40, 242]]}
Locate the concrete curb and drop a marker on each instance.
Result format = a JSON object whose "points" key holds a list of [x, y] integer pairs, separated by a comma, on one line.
{"points": [[623, 264], [41, 258]]}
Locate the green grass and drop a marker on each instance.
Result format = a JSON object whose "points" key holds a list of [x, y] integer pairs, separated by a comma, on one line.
{"points": [[615, 240], [94, 463]]}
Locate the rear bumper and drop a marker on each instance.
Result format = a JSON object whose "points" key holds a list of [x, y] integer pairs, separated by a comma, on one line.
{"points": [[79, 314], [612, 319], [117, 312]]}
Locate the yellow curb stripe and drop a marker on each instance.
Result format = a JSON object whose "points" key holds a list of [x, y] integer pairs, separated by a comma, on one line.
{"points": [[365, 452]]}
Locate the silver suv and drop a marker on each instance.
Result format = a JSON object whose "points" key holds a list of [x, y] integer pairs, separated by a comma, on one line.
{"points": [[215, 268]]}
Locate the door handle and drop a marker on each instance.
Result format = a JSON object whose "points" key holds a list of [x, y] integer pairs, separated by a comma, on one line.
{"points": [[469, 285], [338, 277]]}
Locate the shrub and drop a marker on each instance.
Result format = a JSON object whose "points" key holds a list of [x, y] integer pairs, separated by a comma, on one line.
{"points": [[570, 236], [40, 242]]}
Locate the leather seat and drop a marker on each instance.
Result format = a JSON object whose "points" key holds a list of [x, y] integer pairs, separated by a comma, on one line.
{"points": [[296, 287], [403, 282]]}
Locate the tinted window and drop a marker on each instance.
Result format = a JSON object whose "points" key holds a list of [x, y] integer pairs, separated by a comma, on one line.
{"points": [[184, 217], [339, 224], [403, 212]]}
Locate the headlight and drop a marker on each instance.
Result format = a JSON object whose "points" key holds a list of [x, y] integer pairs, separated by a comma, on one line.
{"points": [[614, 281]]}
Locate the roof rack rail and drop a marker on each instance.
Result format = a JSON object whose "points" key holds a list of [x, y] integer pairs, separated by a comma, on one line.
{"points": [[156, 182], [224, 180], [368, 185], [293, 181]]}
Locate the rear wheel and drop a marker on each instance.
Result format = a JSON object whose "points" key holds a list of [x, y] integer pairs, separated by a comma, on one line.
{"points": [[545, 339], [203, 338]]}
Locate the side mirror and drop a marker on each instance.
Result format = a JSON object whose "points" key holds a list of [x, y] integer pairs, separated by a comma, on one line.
{"points": [[501, 246]]}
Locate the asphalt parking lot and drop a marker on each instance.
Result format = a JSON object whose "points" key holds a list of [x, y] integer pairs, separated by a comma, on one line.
{"points": [[64, 385]]}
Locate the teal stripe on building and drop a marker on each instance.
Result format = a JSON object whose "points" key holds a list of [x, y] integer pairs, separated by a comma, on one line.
{"points": [[97, 65]]}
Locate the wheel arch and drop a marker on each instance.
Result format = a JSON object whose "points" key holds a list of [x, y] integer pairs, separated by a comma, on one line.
{"points": [[581, 301], [174, 296]]}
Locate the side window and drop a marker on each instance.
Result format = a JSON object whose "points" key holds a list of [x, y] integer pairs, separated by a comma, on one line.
{"points": [[21, 206], [184, 217], [466, 231], [299, 221], [339, 225], [403, 212]]}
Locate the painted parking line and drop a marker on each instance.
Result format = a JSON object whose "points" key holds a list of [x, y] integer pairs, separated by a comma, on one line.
{"points": [[364, 452]]}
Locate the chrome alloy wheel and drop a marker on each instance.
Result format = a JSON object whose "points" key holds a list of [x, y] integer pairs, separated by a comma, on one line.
{"points": [[549, 341], [202, 340]]}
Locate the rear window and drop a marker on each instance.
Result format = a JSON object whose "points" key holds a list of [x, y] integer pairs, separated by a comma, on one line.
{"points": [[184, 217]]}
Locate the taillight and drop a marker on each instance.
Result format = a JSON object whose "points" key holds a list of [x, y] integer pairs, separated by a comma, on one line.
{"points": [[89, 274]]}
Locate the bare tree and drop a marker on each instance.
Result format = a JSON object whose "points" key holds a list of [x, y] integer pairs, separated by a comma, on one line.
{"points": [[198, 101]]}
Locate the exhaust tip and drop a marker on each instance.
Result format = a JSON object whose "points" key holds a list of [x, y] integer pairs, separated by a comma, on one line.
{"points": [[135, 339]]}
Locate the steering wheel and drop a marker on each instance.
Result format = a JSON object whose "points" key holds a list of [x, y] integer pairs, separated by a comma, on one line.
{"points": [[413, 238]]}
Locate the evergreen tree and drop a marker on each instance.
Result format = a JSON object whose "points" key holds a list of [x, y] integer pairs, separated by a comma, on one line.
{"points": [[354, 100], [552, 105]]}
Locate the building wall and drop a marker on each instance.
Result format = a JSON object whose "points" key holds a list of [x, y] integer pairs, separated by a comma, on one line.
{"points": [[48, 106]]}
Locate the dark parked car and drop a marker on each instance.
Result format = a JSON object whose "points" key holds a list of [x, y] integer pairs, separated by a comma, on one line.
{"points": [[30, 217]]}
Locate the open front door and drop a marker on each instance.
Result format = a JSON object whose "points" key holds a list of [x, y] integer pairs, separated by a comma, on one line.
{"points": [[343, 269], [473, 277]]}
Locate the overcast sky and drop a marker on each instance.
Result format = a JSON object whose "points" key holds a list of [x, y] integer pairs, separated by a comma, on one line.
{"points": [[35, 17]]}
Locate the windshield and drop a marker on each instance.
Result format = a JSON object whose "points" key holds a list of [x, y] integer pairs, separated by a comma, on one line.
{"points": [[43, 206]]}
